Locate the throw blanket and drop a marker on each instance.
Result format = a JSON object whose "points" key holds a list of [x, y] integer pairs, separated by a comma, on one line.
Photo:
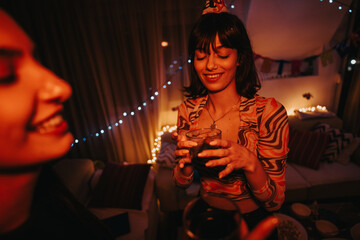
{"points": [[120, 186]]}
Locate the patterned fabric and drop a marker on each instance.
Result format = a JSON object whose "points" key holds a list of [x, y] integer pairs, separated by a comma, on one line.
{"points": [[166, 156], [307, 148], [338, 141], [263, 129]]}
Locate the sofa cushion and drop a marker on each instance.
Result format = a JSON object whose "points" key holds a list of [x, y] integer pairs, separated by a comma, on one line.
{"points": [[346, 154], [296, 185], [306, 147], [332, 180], [293, 179], [120, 186], [330, 173], [355, 157], [338, 141], [76, 174], [138, 221], [166, 156]]}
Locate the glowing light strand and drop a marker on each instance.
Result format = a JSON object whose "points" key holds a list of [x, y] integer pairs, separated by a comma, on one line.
{"points": [[157, 142], [340, 4], [140, 107]]}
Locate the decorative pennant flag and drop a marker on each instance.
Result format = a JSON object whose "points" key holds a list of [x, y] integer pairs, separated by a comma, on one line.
{"points": [[295, 67], [214, 6], [326, 57], [355, 38], [281, 67], [342, 49], [310, 67], [266, 66], [256, 56]]}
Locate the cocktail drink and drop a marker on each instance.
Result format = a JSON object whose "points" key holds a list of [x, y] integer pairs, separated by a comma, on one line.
{"points": [[203, 137]]}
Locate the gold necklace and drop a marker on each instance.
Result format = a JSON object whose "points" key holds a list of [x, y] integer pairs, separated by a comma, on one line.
{"points": [[213, 125]]}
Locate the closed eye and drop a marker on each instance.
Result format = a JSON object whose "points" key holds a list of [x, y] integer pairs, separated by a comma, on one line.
{"points": [[223, 57], [200, 58]]}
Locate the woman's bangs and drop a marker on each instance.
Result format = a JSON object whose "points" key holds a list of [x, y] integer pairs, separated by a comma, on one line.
{"points": [[204, 42]]}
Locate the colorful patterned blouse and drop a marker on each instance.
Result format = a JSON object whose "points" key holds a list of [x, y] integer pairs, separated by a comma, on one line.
{"points": [[263, 129]]}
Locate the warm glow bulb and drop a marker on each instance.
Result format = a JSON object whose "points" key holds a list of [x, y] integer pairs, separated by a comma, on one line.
{"points": [[164, 44]]}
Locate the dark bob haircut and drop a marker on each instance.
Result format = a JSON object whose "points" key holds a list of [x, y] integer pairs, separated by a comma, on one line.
{"points": [[232, 34]]}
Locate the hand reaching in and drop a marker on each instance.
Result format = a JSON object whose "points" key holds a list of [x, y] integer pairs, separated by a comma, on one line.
{"points": [[261, 231]]}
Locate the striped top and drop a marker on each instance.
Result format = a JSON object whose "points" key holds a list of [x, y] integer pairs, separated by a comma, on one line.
{"points": [[263, 129]]}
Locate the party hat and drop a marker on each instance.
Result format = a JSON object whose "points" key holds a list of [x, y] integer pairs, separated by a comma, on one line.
{"points": [[214, 6]]}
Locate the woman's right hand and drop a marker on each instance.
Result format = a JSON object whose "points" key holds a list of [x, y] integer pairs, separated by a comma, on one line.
{"points": [[182, 151]]}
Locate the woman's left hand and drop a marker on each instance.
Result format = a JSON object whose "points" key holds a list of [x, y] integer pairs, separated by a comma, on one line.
{"points": [[232, 155]]}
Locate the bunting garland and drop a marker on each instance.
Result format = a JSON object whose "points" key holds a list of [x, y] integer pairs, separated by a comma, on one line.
{"points": [[325, 57]]}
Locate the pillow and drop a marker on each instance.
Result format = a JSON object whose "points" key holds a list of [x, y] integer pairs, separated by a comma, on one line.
{"points": [[338, 141], [355, 157], [345, 155], [306, 148], [120, 186], [166, 156]]}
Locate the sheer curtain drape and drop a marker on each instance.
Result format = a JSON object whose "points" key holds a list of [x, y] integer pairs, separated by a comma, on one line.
{"points": [[351, 114], [110, 52]]}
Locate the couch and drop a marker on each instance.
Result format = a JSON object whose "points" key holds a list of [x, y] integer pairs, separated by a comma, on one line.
{"points": [[128, 218], [314, 180], [335, 178]]}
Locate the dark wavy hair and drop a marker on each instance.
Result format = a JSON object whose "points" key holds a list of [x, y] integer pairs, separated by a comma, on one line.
{"points": [[232, 34]]}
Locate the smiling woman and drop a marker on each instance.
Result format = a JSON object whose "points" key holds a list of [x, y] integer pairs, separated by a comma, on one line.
{"points": [[32, 129], [222, 94], [33, 202]]}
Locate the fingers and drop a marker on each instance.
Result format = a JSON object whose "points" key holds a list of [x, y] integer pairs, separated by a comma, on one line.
{"points": [[221, 143], [263, 229], [174, 136], [228, 169], [186, 144], [243, 230], [183, 161], [183, 157], [217, 162], [221, 152]]}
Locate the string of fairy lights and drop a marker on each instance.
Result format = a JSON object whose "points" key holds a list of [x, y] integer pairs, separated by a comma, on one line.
{"points": [[177, 66], [340, 5]]}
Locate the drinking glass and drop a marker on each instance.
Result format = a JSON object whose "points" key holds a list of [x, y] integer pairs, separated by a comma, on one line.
{"points": [[202, 221], [203, 137]]}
